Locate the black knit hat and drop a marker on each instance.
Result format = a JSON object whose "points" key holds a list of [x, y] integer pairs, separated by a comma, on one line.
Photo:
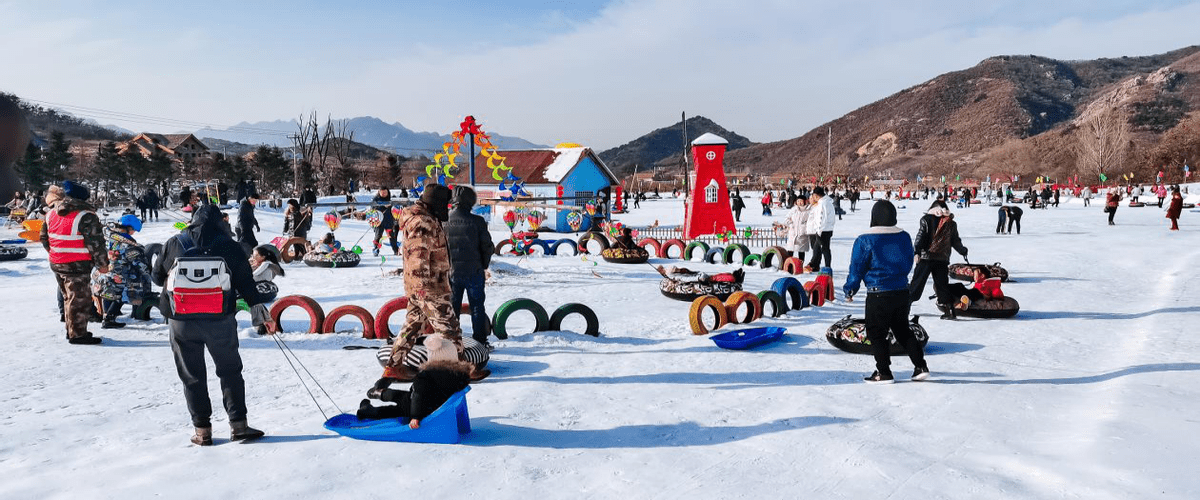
{"points": [[883, 214]]}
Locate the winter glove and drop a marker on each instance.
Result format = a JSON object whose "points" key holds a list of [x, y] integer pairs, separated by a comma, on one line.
{"points": [[259, 314]]}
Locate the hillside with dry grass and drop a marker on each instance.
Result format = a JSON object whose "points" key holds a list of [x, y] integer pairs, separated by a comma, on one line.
{"points": [[1008, 115]]}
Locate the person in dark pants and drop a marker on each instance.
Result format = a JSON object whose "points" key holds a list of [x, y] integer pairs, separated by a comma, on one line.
{"points": [[152, 203], [881, 260], [1001, 218], [383, 203], [937, 234], [737, 204], [191, 334], [247, 224], [820, 229], [471, 251], [1111, 202], [1014, 217]]}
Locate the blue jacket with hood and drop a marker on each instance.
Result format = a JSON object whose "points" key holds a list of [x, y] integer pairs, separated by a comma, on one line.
{"points": [[882, 256]]}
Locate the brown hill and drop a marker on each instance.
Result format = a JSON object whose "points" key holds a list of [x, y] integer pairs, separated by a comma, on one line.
{"points": [[662, 147], [1008, 115]]}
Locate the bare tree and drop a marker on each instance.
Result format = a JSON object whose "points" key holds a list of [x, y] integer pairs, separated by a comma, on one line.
{"points": [[1103, 143], [341, 139], [314, 146]]}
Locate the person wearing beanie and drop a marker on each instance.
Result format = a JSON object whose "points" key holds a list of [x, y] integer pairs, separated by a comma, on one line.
{"points": [[74, 239], [387, 223], [129, 274], [937, 234], [471, 251], [426, 278], [881, 260], [821, 218]]}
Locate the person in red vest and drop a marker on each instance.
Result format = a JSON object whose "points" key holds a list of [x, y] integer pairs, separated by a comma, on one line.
{"points": [[74, 238]]}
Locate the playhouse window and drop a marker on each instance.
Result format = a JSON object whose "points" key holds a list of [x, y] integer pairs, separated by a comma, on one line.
{"points": [[710, 193], [582, 197]]}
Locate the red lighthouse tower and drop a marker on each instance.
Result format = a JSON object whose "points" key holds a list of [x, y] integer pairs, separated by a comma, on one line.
{"points": [[708, 210]]}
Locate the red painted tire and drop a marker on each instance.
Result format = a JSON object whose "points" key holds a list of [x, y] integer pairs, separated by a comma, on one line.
{"points": [[382, 331], [793, 265], [368, 321], [655, 244], [500, 247], [664, 252], [316, 315]]}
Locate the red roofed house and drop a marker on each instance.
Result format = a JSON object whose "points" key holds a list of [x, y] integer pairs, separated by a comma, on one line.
{"points": [[565, 172]]}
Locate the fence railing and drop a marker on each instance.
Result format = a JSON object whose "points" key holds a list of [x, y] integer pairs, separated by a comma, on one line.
{"points": [[760, 237]]}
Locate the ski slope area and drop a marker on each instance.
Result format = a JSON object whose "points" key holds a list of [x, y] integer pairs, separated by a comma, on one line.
{"points": [[1090, 392]]}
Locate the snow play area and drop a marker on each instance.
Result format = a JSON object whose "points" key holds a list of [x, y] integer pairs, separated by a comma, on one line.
{"points": [[1092, 391]]}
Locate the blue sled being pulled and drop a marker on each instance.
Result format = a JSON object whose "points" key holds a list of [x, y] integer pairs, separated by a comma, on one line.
{"points": [[446, 425]]}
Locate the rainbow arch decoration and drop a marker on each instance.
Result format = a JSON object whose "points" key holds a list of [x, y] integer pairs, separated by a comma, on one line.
{"points": [[444, 162]]}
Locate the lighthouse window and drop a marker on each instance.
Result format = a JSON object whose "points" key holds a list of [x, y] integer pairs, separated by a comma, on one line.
{"points": [[710, 193]]}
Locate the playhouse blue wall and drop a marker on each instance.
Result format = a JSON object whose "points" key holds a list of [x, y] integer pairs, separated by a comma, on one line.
{"points": [[586, 176]]}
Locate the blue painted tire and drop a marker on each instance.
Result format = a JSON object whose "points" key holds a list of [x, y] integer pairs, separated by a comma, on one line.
{"points": [[565, 241], [545, 246], [791, 288], [711, 255]]}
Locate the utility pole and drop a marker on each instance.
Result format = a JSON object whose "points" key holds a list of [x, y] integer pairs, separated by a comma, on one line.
{"points": [[829, 152], [684, 160]]}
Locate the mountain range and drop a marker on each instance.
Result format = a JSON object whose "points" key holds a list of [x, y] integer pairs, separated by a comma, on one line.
{"points": [[661, 148]]}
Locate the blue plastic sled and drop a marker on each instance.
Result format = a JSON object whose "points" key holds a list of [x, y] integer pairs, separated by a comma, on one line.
{"points": [[748, 338], [446, 425]]}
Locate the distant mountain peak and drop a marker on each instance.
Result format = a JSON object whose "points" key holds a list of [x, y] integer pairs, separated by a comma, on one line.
{"points": [[665, 145]]}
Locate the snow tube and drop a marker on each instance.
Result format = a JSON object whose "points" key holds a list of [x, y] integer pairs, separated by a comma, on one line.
{"points": [[748, 338], [850, 335], [966, 272], [332, 260], [710, 255], [754, 309], [287, 253], [752, 260], [363, 315], [774, 254], [665, 251], [695, 317], [152, 254], [445, 425], [728, 258], [625, 256], [593, 236], [655, 245], [475, 352], [593, 323], [500, 318], [793, 265], [315, 314], [687, 251], [1006, 307], [8, 252], [1188, 205], [791, 287], [778, 305], [691, 290], [268, 289], [1136, 204], [565, 241]]}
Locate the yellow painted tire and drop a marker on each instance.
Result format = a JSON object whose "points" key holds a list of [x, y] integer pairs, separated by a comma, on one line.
{"points": [[695, 316]]}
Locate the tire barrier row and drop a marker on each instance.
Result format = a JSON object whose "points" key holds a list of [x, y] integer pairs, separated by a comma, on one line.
{"points": [[782, 290], [543, 322], [374, 326]]}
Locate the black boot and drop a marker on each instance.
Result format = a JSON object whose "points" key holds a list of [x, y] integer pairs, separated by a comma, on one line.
{"points": [[110, 321]]}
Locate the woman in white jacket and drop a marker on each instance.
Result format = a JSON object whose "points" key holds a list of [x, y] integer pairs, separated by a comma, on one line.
{"points": [[797, 227]]}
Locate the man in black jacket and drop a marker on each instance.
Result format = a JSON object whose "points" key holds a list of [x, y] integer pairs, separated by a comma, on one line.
{"points": [[191, 334], [936, 236], [247, 224], [471, 251]]}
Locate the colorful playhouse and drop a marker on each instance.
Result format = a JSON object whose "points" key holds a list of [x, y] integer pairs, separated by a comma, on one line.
{"points": [[560, 180]]}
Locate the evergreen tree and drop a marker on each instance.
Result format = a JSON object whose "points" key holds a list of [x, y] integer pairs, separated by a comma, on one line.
{"points": [[270, 166], [58, 157], [32, 168], [160, 167]]}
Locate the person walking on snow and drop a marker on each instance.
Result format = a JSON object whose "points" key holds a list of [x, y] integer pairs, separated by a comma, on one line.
{"points": [[74, 239], [387, 223], [737, 204], [1111, 202], [1175, 208], [821, 220], [881, 260], [471, 251], [247, 224], [797, 227], [938, 233]]}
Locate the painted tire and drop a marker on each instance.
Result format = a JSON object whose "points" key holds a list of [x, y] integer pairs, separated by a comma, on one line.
{"points": [[288, 253], [654, 244], [815, 294], [793, 265], [778, 305], [850, 335], [791, 288], [500, 318], [731, 249], [687, 252], [315, 314], [753, 312], [382, 331], [141, 312], [565, 241], [363, 315], [153, 253], [695, 317], [583, 240], [773, 256], [543, 244], [500, 247], [752, 260], [333, 260], [12, 252], [665, 251], [711, 255], [593, 323]]}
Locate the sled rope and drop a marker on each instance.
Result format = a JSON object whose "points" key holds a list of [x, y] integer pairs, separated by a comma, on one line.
{"points": [[289, 356]]}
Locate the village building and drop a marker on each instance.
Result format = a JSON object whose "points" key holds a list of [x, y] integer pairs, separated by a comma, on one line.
{"points": [[180, 147], [572, 176]]}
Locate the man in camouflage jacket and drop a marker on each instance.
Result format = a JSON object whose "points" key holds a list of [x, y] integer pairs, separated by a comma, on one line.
{"points": [[74, 238], [426, 278]]}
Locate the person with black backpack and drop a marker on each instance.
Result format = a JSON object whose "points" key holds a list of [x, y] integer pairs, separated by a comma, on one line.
{"points": [[203, 271]]}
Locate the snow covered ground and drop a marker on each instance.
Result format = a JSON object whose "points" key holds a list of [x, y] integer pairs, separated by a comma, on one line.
{"points": [[1090, 392]]}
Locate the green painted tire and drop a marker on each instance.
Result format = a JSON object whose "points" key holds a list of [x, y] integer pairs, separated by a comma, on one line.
{"points": [[500, 318], [752, 260], [735, 247], [778, 305], [687, 251]]}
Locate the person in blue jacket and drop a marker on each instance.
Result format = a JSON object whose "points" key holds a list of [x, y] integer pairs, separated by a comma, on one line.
{"points": [[881, 259]]}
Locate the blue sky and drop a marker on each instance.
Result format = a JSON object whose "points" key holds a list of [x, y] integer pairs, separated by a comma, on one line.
{"points": [[596, 73]]}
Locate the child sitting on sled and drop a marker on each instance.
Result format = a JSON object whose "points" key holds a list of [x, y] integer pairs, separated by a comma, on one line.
{"points": [[440, 377], [986, 287]]}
